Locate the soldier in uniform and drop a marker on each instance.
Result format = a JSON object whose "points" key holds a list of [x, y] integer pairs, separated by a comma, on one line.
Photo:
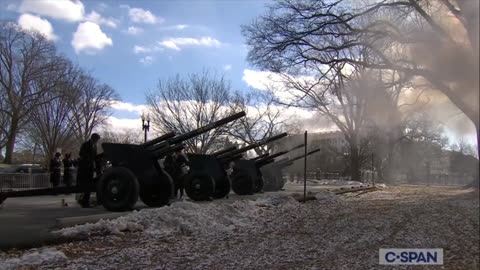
{"points": [[67, 169], [55, 169], [87, 166], [175, 164]]}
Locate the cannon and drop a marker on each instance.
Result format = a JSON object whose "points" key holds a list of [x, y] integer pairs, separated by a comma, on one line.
{"points": [[272, 172], [244, 176], [135, 172], [209, 175]]}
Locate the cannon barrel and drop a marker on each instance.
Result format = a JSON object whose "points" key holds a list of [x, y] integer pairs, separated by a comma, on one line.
{"points": [[260, 157], [167, 150], [188, 135], [297, 147], [198, 131], [224, 150], [288, 162], [159, 139], [266, 158], [270, 157], [253, 145]]}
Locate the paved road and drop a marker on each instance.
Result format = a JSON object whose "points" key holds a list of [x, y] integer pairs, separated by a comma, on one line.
{"points": [[27, 222]]}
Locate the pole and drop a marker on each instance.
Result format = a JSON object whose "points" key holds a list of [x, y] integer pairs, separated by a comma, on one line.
{"points": [[305, 171], [145, 139], [373, 170]]}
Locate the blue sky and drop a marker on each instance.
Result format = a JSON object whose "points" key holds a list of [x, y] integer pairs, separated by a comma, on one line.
{"points": [[130, 45], [144, 41]]}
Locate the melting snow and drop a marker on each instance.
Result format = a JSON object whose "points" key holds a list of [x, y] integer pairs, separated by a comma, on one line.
{"points": [[34, 257]]}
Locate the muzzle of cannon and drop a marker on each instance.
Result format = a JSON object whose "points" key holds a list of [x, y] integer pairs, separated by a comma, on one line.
{"points": [[272, 172]]}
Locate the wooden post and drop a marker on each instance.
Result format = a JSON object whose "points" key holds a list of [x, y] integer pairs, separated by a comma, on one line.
{"points": [[305, 171]]}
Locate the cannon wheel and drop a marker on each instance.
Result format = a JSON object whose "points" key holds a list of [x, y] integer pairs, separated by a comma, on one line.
{"points": [[222, 188], [243, 184], [259, 184], [118, 189], [199, 186], [160, 193]]}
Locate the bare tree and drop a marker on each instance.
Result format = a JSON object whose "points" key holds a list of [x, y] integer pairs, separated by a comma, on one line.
{"points": [[91, 107], [26, 59], [184, 104], [263, 119], [50, 126], [437, 41]]}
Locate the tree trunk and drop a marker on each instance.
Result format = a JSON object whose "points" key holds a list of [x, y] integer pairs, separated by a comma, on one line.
{"points": [[355, 164], [10, 146], [11, 138]]}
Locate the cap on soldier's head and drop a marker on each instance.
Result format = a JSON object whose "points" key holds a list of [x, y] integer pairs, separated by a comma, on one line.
{"points": [[95, 136]]}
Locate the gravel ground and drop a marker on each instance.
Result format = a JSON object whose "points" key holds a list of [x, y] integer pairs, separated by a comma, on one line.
{"points": [[333, 232]]}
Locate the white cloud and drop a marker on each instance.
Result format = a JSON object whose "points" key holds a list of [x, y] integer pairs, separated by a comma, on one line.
{"points": [[123, 124], [261, 80], [90, 38], [279, 84], [98, 19], [175, 27], [67, 10], [129, 107], [137, 49], [34, 23], [177, 43], [133, 30], [227, 67], [180, 26], [147, 60], [140, 15], [140, 49]]}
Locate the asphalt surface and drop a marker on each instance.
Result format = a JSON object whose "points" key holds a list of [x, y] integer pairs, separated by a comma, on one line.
{"points": [[27, 222]]}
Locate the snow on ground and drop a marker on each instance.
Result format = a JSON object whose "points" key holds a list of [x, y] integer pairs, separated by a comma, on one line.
{"points": [[34, 257], [273, 231], [335, 182]]}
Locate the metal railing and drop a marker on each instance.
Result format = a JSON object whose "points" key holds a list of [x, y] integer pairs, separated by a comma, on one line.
{"points": [[19, 181], [24, 180]]}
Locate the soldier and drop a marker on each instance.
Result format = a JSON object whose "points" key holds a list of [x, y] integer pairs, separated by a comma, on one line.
{"points": [[68, 169], [55, 169], [176, 164], [86, 167], [181, 169]]}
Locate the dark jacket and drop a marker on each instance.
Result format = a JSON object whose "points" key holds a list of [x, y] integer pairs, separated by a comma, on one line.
{"points": [[86, 162]]}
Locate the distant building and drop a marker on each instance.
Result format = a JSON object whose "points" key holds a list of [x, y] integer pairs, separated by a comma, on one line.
{"points": [[330, 158]]}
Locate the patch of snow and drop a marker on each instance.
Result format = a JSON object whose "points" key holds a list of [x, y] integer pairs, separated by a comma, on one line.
{"points": [[184, 217], [34, 257], [381, 185], [328, 197], [335, 182]]}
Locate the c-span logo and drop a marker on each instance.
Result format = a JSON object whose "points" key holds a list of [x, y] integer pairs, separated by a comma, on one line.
{"points": [[411, 256]]}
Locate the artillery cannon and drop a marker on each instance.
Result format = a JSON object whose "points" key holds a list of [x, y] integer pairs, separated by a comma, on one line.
{"points": [[134, 172], [272, 173], [244, 176]]}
